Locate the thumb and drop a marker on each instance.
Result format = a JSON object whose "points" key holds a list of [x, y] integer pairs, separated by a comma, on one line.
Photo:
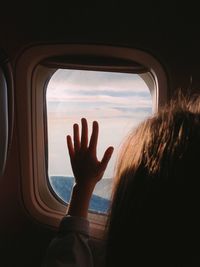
{"points": [[106, 157]]}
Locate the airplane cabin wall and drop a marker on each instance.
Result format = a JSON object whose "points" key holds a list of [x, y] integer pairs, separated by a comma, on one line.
{"points": [[172, 40]]}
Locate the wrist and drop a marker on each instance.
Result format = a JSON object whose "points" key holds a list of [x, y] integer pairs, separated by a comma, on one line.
{"points": [[80, 199], [86, 187]]}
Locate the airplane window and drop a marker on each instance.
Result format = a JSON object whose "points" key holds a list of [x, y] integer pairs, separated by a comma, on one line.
{"points": [[118, 101]]}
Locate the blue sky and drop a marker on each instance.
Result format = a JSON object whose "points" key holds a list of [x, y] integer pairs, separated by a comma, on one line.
{"points": [[118, 101]]}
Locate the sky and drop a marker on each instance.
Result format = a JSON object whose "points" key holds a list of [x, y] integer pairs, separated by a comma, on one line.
{"points": [[118, 101]]}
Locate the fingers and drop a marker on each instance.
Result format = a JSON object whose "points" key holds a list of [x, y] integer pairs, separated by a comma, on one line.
{"points": [[84, 140], [70, 147], [106, 157], [94, 137], [84, 135], [76, 137]]}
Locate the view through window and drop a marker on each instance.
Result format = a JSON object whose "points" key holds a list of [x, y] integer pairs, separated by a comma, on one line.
{"points": [[118, 101]]}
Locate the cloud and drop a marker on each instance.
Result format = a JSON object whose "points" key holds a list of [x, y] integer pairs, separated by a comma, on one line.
{"points": [[79, 102], [100, 113], [117, 101], [67, 82]]}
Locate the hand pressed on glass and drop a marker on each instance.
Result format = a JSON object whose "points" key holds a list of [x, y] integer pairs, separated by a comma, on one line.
{"points": [[86, 167]]}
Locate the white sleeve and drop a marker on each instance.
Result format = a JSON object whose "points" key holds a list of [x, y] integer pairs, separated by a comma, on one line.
{"points": [[70, 248]]}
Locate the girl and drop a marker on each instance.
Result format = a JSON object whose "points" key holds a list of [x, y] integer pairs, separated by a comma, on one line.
{"points": [[153, 218]]}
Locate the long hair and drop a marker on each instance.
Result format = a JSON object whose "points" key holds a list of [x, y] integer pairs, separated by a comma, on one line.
{"points": [[154, 212]]}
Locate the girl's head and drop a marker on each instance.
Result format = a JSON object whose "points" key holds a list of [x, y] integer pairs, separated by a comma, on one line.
{"points": [[156, 195]]}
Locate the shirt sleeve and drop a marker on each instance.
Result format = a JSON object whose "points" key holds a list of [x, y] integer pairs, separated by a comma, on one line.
{"points": [[71, 246]]}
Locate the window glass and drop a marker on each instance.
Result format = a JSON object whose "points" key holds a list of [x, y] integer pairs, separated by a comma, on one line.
{"points": [[118, 101]]}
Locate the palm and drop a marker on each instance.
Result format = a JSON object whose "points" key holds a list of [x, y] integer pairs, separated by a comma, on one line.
{"points": [[85, 165]]}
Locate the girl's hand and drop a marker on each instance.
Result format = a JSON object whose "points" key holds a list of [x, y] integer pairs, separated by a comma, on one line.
{"points": [[87, 169]]}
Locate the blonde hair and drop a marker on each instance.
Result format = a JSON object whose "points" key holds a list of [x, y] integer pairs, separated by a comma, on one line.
{"points": [[156, 159], [163, 133]]}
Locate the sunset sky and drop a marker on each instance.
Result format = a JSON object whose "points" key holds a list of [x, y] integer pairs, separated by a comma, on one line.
{"points": [[117, 101]]}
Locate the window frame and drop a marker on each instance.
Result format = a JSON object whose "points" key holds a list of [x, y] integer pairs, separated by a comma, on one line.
{"points": [[31, 80]]}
